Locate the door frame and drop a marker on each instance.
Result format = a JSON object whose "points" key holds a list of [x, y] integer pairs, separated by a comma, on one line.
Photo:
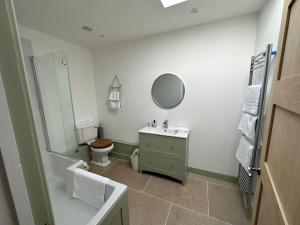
{"points": [[12, 164], [269, 123], [18, 139]]}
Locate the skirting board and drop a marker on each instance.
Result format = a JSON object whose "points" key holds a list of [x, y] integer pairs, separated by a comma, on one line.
{"points": [[213, 175], [123, 151], [120, 156]]}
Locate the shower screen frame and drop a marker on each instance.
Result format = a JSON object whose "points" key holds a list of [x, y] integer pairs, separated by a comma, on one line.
{"points": [[43, 115]]}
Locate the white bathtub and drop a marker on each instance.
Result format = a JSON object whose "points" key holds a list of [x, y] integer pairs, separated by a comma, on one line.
{"points": [[67, 210]]}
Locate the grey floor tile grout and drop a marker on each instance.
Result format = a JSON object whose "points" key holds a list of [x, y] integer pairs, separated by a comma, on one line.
{"points": [[214, 183], [191, 177], [202, 214], [168, 213], [172, 203], [147, 184], [192, 210], [220, 220], [149, 195]]}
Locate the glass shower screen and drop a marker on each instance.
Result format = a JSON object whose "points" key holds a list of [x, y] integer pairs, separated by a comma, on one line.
{"points": [[54, 93]]}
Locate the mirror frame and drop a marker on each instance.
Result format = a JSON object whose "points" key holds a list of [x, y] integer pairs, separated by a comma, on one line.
{"points": [[157, 103]]}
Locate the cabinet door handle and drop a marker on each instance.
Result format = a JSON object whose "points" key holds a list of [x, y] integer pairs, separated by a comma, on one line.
{"points": [[171, 167], [149, 162], [171, 147]]}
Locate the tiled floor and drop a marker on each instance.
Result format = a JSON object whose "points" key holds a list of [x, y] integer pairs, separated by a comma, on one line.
{"points": [[154, 200]]}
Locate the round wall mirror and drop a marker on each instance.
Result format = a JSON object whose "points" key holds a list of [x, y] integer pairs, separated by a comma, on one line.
{"points": [[168, 91]]}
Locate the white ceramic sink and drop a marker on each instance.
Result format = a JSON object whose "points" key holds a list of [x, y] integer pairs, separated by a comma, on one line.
{"points": [[170, 131], [180, 132]]}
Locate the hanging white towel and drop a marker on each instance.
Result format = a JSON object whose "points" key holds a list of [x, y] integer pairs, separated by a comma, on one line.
{"points": [[244, 153], [115, 104], [247, 125], [89, 187], [114, 95], [114, 99], [252, 99]]}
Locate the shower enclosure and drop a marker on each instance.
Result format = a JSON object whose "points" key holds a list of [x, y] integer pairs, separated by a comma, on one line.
{"points": [[51, 78]]}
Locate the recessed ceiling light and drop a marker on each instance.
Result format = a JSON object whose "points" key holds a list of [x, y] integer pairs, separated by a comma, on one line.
{"points": [[87, 28], [194, 10], [168, 3]]}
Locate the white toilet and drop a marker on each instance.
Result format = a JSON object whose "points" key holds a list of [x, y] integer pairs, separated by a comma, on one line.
{"points": [[87, 132]]}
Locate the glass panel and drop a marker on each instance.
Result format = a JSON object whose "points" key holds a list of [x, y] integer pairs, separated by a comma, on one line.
{"points": [[53, 82], [66, 104]]}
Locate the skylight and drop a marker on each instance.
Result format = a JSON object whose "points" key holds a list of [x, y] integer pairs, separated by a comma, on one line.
{"points": [[168, 3]]}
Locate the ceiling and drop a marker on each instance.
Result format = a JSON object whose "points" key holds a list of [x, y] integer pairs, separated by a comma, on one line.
{"points": [[121, 20]]}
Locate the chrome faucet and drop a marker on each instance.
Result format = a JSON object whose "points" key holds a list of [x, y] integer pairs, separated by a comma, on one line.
{"points": [[165, 124]]}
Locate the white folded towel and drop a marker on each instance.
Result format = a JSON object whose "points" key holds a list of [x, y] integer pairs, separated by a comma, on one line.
{"points": [[247, 125], [115, 104], [114, 95], [244, 153], [89, 187], [252, 99]]}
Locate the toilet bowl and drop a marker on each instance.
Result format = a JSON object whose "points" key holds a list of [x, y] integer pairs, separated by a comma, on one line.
{"points": [[100, 149], [87, 131]]}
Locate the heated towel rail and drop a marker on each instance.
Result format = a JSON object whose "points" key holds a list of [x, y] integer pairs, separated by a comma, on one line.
{"points": [[247, 179]]}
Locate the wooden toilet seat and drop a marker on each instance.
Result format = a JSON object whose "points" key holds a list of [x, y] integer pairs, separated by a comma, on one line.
{"points": [[101, 143]]}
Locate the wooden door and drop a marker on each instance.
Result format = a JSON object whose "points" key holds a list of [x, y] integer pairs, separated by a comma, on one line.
{"points": [[278, 190]]}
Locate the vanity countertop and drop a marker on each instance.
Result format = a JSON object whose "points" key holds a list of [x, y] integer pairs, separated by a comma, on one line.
{"points": [[179, 132]]}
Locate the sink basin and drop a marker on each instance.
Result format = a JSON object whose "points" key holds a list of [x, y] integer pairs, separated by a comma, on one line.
{"points": [[180, 132], [170, 131]]}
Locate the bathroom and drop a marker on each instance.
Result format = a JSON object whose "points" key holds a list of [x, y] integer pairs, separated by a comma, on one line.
{"points": [[108, 83]]}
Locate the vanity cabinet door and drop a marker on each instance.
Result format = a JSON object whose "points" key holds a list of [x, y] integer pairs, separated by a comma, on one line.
{"points": [[164, 155], [174, 147], [163, 165]]}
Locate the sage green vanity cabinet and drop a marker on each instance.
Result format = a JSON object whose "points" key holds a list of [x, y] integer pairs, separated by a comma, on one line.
{"points": [[164, 154]]}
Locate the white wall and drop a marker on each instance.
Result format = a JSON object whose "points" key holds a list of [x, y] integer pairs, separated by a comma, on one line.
{"points": [[269, 20], [268, 28], [80, 65], [212, 60]]}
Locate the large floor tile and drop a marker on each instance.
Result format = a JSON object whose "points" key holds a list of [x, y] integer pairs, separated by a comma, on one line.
{"points": [[181, 216], [146, 210], [226, 204], [96, 169], [123, 173], [192, 195], [99, 169], [213, 180], [163, 188]]}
